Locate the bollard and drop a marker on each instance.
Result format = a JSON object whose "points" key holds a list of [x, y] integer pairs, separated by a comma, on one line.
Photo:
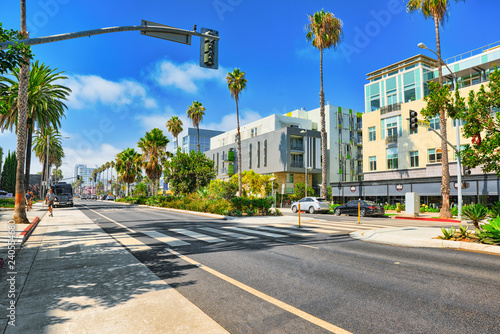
{"points": [[299, 215], [359, 214]]}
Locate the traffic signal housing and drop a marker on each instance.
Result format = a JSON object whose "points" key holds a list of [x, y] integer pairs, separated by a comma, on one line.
{"points": [[209, 49], [413, 120], [467, 170]]}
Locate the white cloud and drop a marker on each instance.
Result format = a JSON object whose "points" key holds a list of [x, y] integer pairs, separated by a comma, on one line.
{"points": [[228, 122], [88, 156], [88, 90], [186, 76]]}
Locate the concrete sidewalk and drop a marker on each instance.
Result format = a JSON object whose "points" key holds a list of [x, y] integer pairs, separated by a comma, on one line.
{"points": [[72, 277]]}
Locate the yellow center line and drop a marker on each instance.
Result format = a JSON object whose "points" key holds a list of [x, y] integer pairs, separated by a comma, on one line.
{"points": [[295, 311]]}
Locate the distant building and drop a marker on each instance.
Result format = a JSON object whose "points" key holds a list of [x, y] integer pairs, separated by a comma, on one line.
{"points": [[188, 139], [85, 172]]}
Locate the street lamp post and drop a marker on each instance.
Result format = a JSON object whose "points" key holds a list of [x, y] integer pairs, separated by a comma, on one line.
{"points": [[459, 161], [305, 160]]}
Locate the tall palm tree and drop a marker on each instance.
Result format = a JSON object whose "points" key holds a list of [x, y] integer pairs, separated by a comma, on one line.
{"points": [[324, 31], [45, 102], [22, 107], [195, 112], [56, 152], [174, 126], [438, 11], [153, 146], [128, 165], [236, 82]]}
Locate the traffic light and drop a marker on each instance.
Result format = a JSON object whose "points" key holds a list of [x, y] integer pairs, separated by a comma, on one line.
{"points": [[78, 177], [413, 120], [467, 170], [209, 49]]}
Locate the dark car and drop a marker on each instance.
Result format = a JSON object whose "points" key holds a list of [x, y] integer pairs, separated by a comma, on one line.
{"points": [[367, 208]]}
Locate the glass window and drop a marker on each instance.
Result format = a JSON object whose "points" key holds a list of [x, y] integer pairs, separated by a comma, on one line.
{"points": [[410, 94], [289, 178], [265, 153], [434, 155], [258, 154], [414, 159], [391, 125], [250, 156], [392, 158], [434, 123], [372, 136], [297, 160], [373, 163], [375, 103]]}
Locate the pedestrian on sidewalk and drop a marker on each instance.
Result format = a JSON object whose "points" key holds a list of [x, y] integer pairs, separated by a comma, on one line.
{"points": [[27, 198], [50, 201]]}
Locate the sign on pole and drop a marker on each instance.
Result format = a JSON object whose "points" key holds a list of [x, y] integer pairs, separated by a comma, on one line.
{"points": [[424, 124], [180, 37]]}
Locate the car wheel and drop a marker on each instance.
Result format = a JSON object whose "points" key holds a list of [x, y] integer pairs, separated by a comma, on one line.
{"points": [[294, 209], [362, 212], [311, 209], [337, 212]]}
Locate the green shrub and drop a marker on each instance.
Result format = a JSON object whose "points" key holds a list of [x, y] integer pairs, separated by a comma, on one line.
{"points": [[454, 211], [250, 212], [495, 209], [463, 231], [423, 209], [490, 233], [475, 212], [236, 213], [7, 203], [278, 212], [448, 234]]}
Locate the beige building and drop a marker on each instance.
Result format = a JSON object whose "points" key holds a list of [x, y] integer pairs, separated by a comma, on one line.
{"points": [[396, 159]]}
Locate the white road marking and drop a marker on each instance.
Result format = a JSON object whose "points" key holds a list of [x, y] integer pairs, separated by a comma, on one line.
{"points": [[195, 235], [246, 230], [131, 243], [165, 238], [227, 233], [282, 230]]}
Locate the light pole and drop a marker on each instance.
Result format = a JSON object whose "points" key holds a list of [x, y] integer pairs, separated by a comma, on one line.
{"points": [[459, 161], [272, 189], [305, 159]]}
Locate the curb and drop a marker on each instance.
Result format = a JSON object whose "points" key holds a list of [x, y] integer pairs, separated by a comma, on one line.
{"points": [[373, 236], [23, 237], [429, 219]]}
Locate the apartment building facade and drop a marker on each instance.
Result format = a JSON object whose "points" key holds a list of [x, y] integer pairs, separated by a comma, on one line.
{"points": [[280, 145], [188, 139], [399, 159]]}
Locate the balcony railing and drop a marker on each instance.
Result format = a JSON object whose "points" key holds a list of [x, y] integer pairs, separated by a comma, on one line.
{"points": [[297, 147], [390, 108], [391, 140], [297, 164]]}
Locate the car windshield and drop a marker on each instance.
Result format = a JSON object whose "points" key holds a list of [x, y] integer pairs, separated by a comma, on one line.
{"points": [[370, 203], [62, 191]]}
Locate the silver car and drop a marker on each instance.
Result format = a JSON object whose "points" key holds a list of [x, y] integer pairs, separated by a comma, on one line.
{"points": [[311, 205]]}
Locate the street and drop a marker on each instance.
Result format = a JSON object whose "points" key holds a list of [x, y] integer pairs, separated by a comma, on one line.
{"points": [[274, 278]]}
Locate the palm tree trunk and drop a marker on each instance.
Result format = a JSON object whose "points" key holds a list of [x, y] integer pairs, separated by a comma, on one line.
{"points": [[28, 156], [323, 131], [445, 180], [240, 184], [198, 131], [22, 107]]}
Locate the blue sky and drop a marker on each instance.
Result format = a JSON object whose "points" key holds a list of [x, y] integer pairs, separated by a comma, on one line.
{"points": [[125, 84]]}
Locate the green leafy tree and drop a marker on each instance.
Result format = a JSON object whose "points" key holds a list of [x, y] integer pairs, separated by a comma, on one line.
{"points": [[299, 191], [195, 112], [255, 184], [14, 55], [482, 124], [153, 146], [56, 152], [437, 10], [236, 82], [128, 166], [222, 189], [174, 126], [8, 177], [188, 172], [324, 31]]}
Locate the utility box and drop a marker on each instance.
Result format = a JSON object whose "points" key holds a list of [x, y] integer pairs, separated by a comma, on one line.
{"points": [[412, 205]]}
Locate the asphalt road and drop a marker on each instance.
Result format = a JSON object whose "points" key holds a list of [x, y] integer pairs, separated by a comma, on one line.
{"points": [[313, 283]]}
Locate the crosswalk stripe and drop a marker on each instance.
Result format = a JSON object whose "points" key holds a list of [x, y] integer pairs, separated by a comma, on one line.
{"points": [[195, 235], [165, 238], [246, 230], [282, 230], [131, 243], [227, 233]]}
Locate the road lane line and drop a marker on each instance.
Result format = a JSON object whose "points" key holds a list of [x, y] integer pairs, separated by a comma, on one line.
{"points": [[282, 230], [165, 238], [111, 220], [227, 233], [246, 230], [293, 310], [195, 235]]}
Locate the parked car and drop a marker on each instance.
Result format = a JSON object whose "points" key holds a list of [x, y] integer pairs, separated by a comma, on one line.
{"points": [[103, 197], [110, 198], [367, 208], [311, 205], [93, 196]]}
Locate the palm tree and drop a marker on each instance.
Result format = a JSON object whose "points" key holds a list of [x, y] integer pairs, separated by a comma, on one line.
{"points": [[236, 82], [324, 31], [174, 126], [438, 11], [55, 149], [153, 146], [22, 107], [128, 165], [45, 102], [196, 111]]}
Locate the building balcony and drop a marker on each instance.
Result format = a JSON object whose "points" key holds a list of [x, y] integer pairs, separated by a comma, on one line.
{"points": [[229, 156], [390, 108], [297, 164], [359, 127], [359, 157], [297, 147]]}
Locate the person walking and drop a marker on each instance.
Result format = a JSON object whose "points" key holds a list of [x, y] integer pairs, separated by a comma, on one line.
{"points": [[27, 198], [50, 201]]}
